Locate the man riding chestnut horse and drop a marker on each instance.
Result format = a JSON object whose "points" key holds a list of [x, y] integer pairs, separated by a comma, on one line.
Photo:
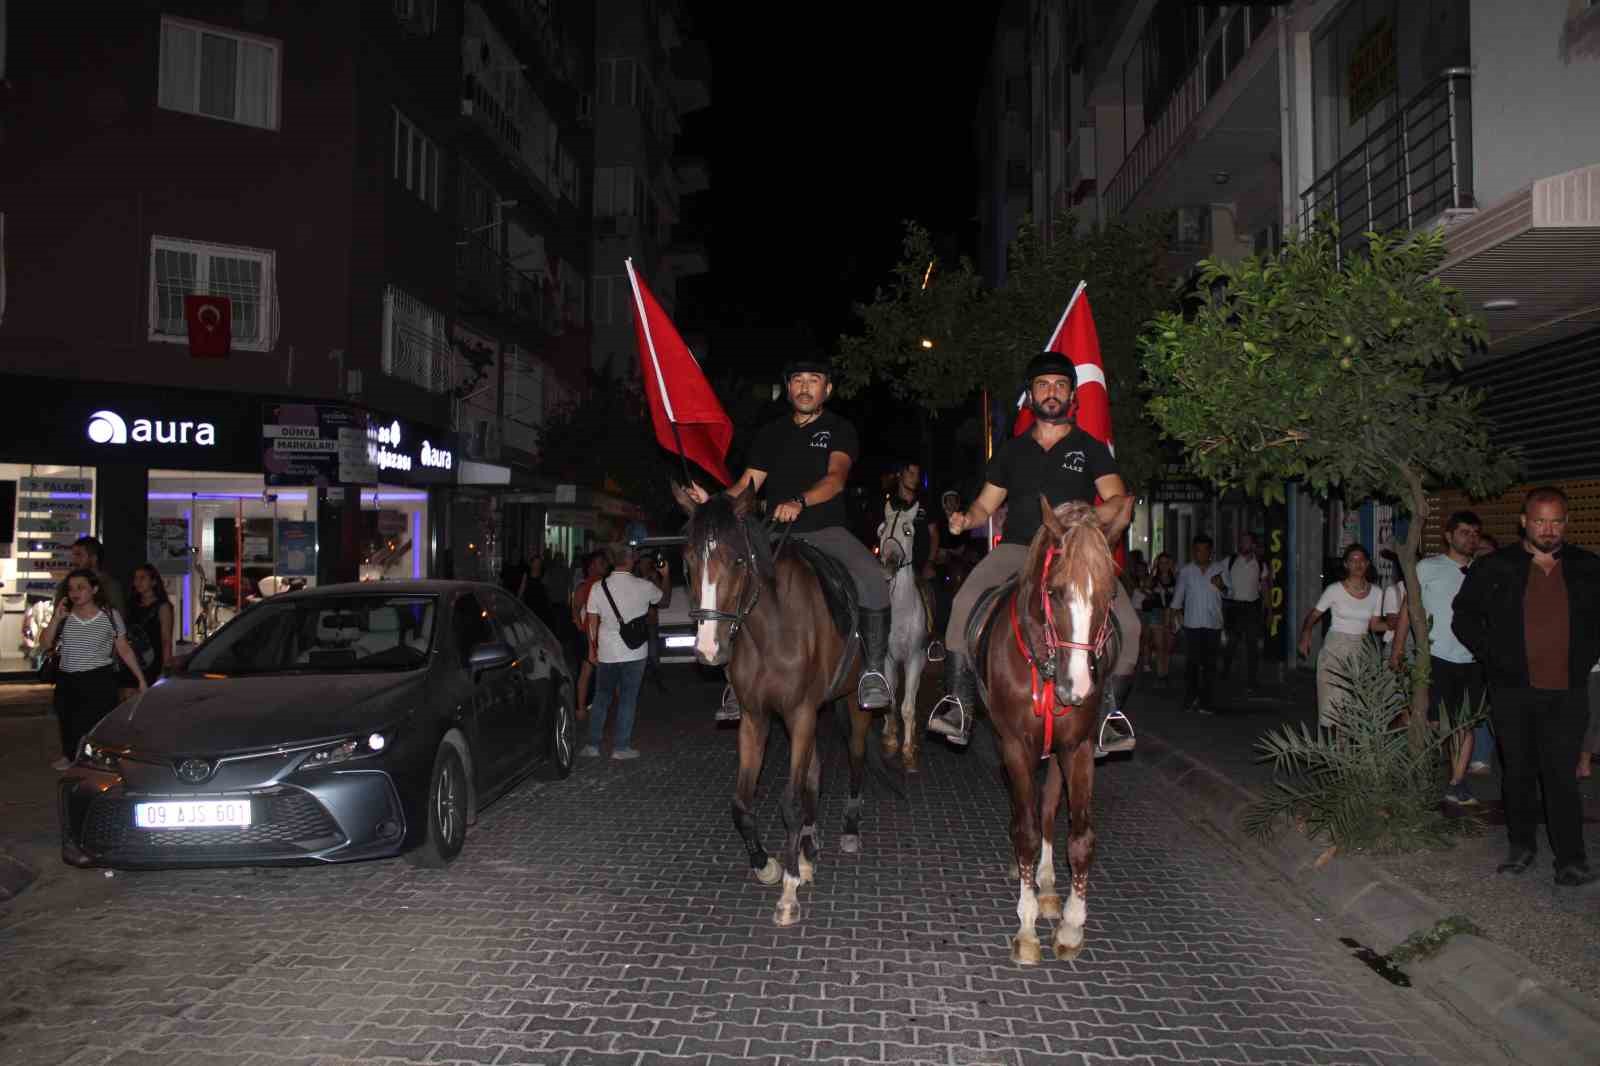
{"points": [[1060, 461], [803, 462]]}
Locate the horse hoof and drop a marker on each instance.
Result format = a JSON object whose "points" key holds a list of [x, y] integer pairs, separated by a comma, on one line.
{"points": [[807, 870], [1068, 952], [912, 760], [850, 843], [1050, 905], [789, 914], [771, 873], [1025, 952]]}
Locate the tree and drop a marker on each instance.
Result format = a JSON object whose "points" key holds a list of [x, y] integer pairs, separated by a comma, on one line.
{"points": [[606, 437], [1341, 375], [936, 336]]}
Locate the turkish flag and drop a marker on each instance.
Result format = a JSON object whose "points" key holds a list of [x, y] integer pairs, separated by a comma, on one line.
{"points": [[210, 320], [1075, 338], [688, 418]]}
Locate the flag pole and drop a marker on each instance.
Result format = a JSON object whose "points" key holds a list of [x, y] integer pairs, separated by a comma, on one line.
{"points": [[655, 364]]}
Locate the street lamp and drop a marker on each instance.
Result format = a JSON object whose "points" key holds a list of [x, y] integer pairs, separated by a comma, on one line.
{"points": [[927, 345]]}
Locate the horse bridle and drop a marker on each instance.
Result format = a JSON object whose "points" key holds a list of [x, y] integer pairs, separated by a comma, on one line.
{"points": [[889, 526], [748, 563], [1053, 643]]}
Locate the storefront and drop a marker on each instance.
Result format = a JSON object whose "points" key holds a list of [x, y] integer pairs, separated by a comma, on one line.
{"points": [[186, 480]]}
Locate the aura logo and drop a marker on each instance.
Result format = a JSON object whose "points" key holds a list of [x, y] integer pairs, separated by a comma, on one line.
{"points": [[108, 427]]}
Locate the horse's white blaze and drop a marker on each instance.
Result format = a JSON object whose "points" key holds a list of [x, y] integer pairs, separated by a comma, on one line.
{"points": [[1081, 608], [705, 639]]}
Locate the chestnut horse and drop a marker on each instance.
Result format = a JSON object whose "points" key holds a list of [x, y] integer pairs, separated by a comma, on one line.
{"points": [[1048, 638], [766, 618]]}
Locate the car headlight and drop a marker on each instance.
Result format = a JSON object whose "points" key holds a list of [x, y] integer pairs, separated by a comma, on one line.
{"points": [[98, 756], [361, 747]]}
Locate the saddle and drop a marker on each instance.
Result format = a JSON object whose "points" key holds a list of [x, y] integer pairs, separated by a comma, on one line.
{"points": [[838, 589], [980, 629]]}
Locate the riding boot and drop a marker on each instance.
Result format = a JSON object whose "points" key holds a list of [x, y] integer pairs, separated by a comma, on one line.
{"points": [[873, 691], [954, 723], [1112, 730]]}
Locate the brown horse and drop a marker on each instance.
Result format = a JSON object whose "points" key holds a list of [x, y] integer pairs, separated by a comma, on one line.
{"points": [[1047, 638], [768, 621]]}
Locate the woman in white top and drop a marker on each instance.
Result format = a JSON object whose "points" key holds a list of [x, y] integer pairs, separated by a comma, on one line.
{"points": [[90, 636], [1357, 610]]}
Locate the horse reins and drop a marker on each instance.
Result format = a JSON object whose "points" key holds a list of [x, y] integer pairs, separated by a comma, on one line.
{"points": [[1042, 680], [748, 560]]}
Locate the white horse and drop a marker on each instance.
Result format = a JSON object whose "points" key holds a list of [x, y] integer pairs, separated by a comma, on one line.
{"points": [[908, 636]]}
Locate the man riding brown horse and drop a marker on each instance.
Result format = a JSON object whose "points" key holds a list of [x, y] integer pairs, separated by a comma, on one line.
{"points": [[1062, 462], [803, 461]]}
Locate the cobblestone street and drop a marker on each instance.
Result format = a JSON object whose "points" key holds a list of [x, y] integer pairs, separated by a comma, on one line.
{"points": [[610, 919]]}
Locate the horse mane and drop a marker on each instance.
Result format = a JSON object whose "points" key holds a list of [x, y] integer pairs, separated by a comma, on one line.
{"points": [[1082, 550], [718, 519]]}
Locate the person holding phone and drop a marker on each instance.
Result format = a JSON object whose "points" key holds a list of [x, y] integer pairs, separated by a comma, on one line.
{"points": [[618, 669], [90, 636]]}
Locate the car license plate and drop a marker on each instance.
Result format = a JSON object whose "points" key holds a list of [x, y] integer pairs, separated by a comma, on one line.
{"points": [[191, 814]]}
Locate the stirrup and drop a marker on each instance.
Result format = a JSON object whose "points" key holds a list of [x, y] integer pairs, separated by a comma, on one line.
{"points": [[729, 710], [938, 724], [936, 651], [861, 686], [1121, 736]]}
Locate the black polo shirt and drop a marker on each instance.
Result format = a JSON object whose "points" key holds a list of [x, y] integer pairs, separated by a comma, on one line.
{"points": [[796, 458], [1066, 472]]}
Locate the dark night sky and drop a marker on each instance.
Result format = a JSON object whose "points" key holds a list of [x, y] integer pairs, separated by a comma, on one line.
{"points": [[827, 129]]}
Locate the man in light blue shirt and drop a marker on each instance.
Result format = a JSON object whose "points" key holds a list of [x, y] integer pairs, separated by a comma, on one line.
{"points": [[1198, 601], [1456, 679]]}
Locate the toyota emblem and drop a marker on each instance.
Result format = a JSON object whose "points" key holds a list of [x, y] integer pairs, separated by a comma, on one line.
{"points": [[194, 771]]}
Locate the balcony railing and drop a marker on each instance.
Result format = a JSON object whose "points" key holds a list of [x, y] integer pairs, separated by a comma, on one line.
{"points": [[1413, 168], [491, 284], [1225, 47]]}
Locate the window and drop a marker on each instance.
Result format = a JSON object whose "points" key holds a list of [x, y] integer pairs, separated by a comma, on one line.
{"points": [[416, 344], [416, 161], [611, 299], [617, 83], [417, 17], [212, 72], [244, 275], [613, 191]]}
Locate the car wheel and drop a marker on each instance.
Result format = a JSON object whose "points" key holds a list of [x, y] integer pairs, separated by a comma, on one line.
{"points": [[563, 727], [447, 811]]}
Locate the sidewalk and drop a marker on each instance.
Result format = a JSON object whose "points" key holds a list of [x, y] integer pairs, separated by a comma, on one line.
{"points": [[31, 850], [1535, 974]]}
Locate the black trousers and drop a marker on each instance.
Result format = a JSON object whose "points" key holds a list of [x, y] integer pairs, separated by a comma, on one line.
{"points": [[1540, 732], [81, 700], [1200, 650], [1243, 620], [1459, 687]]}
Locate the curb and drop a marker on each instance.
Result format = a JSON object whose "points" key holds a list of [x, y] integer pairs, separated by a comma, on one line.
{"points": [[15, 876], [1537, 1019]]}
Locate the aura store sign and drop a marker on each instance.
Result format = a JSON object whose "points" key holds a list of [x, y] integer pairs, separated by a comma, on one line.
{"points": [[110, 427], [385, 444]]}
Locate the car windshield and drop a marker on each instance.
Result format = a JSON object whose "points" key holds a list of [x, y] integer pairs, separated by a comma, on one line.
{"points": [[323, 634]]}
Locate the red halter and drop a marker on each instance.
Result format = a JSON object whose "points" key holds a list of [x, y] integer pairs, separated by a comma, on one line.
{"points": [[1044, 696]]}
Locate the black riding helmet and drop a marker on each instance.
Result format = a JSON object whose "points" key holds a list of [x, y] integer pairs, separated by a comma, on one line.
{"points": [[808, 364], [1049, 363]]}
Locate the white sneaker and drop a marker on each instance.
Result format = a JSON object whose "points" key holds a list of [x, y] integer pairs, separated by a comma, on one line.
{"points": [[589, 751], [625, 753]]}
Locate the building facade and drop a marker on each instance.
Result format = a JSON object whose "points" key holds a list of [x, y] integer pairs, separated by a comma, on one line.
{"points": [[385, 202]]}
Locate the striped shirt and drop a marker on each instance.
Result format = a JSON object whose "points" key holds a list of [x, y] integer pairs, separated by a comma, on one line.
{"points": [[89, 644]]}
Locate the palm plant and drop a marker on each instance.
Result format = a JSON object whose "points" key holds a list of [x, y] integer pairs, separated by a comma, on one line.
{"points": [[1363, 783]]}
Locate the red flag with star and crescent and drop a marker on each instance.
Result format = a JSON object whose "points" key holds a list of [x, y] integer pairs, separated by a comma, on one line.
{"points": [[1075, 338], [687, 416]]}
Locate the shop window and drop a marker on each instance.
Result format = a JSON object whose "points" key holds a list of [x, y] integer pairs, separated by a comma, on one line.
{"points": [[245, 276], [212, 72]]}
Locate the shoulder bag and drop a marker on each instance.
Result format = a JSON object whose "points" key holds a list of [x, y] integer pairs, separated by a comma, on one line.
{"points": [[634, 633], [49, 668]]}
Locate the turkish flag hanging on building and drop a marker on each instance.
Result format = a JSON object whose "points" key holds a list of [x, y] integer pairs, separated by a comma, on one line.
{"points": [[688, 418], [1075, 338], [210, 320]]}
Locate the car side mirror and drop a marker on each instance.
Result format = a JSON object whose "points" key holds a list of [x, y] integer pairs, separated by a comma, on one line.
{"points": [[489, 655]]}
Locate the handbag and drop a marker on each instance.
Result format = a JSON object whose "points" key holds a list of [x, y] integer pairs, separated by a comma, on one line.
{"points": [[634, 633]]}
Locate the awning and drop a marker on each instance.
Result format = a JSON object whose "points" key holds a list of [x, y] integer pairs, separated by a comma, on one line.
{"points": [[1528, 264], [472, 472]]}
